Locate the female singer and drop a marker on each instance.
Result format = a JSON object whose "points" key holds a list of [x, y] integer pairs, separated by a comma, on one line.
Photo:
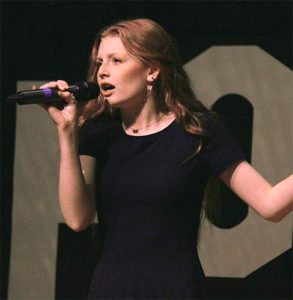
{"points": [[141, 154]]}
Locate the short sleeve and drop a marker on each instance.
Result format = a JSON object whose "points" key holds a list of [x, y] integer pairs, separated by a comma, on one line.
{"points": [[90, 137], [221, 150]]}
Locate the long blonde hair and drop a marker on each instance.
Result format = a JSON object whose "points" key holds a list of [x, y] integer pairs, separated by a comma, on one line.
{"points": [[150, 44]]}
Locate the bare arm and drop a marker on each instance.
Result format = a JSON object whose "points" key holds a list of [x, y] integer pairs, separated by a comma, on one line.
{"points": [[271, 202], [76, 174], [76, 184]]}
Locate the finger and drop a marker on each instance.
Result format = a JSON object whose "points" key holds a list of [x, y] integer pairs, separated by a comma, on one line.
{"points": [[68, 97], [62, 85], [54, 110], [52, 84]]}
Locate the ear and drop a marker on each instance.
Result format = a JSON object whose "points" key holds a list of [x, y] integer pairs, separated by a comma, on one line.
{"points": [[153, 73]]}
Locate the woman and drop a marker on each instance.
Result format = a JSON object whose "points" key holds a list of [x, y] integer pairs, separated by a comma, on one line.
{"points": [[145, 154]]}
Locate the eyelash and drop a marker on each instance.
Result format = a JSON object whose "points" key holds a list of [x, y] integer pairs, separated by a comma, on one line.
{"points": [[115, 60]]}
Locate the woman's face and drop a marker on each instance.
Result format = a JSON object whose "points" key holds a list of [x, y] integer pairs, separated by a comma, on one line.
{"points": [[122, 79]]}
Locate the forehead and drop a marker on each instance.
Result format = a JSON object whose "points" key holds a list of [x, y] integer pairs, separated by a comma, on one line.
{"points": [[111, 44]]}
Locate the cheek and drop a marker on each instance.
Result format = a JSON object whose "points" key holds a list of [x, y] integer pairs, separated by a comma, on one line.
{"points": [[136, 75], [136, 78]]}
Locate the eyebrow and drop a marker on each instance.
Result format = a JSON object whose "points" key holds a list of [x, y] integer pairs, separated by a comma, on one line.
{"points": [[109, 55]]}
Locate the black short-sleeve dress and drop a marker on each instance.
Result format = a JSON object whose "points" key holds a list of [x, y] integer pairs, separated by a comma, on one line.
{"points": [[149, 207]]}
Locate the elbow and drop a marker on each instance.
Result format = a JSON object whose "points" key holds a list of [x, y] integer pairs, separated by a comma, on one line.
{"points": [[274, 219], [273, 216], [272, 211], [78, 226]]}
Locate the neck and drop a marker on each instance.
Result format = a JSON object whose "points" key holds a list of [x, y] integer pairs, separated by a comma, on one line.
{"points": [[140, 116], [141, 120], [148, 123], [144, 118]]}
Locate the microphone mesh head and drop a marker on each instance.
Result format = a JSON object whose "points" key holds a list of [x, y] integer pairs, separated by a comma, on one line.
{"points": [[86, 90]]}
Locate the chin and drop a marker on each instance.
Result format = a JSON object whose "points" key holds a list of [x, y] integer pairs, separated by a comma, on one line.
{"points": [[116, 103], [111, 102]]}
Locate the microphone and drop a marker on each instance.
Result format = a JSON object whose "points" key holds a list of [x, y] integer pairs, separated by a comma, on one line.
{"points": [[82, 91]]}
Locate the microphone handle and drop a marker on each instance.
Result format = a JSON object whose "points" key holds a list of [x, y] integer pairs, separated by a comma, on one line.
{"points": [[39, 96]]}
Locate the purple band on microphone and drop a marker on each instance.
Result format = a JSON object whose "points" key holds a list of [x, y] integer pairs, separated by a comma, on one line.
{"points": [[47, 93]]}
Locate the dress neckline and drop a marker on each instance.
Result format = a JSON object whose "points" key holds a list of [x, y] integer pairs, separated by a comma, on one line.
{"points": [[171, 124]]}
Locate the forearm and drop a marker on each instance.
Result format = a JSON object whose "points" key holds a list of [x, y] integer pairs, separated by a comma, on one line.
{"points": [[76, 200], [271, 202]]}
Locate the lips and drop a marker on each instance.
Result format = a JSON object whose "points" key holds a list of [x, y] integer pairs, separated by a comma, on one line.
{"points": [[107, 88]]}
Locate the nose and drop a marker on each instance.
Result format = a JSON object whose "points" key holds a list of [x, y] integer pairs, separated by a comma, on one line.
{"points": [[103, 71]]}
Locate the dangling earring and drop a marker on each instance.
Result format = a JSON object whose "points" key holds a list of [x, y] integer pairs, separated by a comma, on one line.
{"points": [[150, 79], [149, 87]]}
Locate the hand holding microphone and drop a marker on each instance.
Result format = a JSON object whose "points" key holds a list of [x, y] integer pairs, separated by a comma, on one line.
{"points": [[82, 91], [57, 98]]}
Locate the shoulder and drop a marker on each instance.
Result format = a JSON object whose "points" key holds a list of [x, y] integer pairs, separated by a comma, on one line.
{"points": [[97, 126], [211, 122], [215, 130], [95, 133], [220, 147]]}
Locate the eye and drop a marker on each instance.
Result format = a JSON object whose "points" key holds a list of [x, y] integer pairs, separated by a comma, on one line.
{"points": [[117, 60], [98, 63]]}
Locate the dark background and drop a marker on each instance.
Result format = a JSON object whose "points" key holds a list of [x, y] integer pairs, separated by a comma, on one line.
{"points": [[52, 40]]}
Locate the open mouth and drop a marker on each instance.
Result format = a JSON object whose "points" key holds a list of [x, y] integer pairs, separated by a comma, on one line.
{"points": [[107, 87]]}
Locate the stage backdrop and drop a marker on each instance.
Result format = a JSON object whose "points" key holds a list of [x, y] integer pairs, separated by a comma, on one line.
{"points": [[235, 252], [239, 57]]}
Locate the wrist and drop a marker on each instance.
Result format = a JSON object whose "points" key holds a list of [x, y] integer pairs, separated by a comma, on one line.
{"points": [[67, 129], [68, 134]]}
